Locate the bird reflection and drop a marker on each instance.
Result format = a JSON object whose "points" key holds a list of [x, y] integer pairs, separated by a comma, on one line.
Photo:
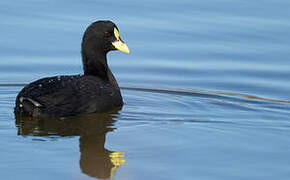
{"points": [[96, 160]]}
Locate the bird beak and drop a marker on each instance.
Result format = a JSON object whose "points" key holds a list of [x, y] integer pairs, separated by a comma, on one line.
{"points": [[119, 44]]}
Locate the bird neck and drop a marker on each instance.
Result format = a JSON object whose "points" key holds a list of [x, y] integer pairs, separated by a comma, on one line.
{"points": [[97, 66]]}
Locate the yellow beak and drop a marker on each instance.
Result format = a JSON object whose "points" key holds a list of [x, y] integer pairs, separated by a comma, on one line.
{"points": [[119, 44]]}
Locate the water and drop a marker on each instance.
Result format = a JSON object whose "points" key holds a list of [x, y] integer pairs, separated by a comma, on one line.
{"points": [[206, 90]]}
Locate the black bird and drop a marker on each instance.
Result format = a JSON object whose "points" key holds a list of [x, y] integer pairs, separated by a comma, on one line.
{"points": [[95, 91]]}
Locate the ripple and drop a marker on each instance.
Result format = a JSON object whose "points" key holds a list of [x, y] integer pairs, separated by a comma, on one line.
{"points": [[175, 105], [207, 94]]}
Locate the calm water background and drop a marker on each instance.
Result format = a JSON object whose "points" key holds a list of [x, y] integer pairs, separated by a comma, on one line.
{"points": [[206, 90]]}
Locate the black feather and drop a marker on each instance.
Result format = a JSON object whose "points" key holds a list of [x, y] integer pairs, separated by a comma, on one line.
{"points": [[95, 91]]}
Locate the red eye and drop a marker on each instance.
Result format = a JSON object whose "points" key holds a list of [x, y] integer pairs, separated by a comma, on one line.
{"points": [[107, 34]]}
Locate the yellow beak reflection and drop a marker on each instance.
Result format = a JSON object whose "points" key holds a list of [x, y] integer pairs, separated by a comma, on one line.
{"points": [[119, 44]]}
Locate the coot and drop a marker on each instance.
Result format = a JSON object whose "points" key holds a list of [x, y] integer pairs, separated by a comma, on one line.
{"points": [[95, 91]]}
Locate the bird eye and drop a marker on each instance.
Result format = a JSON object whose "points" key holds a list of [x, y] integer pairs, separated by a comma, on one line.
{"points": [[107, 34]]}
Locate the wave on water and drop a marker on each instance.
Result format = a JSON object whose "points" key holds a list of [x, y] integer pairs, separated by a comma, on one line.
{"points": [[182, 91]]}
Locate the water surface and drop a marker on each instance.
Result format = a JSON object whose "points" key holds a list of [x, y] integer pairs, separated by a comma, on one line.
{"points": [[206, 91]]}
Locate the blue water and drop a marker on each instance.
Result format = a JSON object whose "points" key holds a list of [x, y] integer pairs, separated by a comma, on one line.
{"points": [[206, 91]]}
